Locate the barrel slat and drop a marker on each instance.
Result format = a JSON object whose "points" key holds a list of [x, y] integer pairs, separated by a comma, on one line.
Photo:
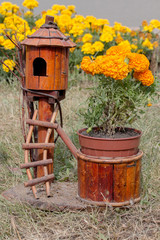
{"points": [[130, 181], [119, 182], [82, 178], [105, 182]]}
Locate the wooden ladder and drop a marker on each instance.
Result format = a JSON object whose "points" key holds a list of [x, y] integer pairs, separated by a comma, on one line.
{"points": [[45, 146]]}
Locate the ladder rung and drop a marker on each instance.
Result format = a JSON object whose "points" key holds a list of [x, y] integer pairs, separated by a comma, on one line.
{"points": [[39, 180], [37, 145], [41, 123], [36, 163]]}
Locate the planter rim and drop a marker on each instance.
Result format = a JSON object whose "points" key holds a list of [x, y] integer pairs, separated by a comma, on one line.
{"points": [[110, 139], [112, 160]]}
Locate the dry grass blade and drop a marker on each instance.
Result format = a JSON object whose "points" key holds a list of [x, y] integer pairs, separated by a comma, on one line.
{"points": [[15, 228]]}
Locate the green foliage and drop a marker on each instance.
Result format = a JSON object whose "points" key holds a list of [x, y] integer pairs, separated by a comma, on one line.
{"points": [[31, 20], [116, 103]]}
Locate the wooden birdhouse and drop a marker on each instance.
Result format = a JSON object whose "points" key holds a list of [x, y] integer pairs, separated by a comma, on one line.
{"points": [[47, 58]]}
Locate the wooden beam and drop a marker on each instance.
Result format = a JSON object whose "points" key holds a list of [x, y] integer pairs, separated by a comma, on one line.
{"points": [[39, 180], [36, 163]]}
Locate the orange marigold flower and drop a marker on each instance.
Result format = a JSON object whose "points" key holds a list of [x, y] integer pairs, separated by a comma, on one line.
{"points": [[87, 65], [138, 62], [149, 104], [145, 77], [114, 67], [142, 35], [133, 33], [155, 44], [144, 23], [119, 39], [120, 50]]}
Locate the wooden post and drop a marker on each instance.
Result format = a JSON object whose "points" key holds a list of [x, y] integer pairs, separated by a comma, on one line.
{"points": [[45, 114]]}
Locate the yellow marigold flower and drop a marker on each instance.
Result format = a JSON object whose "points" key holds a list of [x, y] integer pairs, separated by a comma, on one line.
{"points": [[155, 44], [28, 14], [145, 77], [78, 40], [30, 4], [66, 12], [114, 67], [98, 46], [100, 22], [78, 66], [2, 28], [147, 44], [15, 8], [7, 44], [72, 49], [87, 37], [134, 47], [10, 63], [155, 23], [125, 44], [148, 28], [58, 7], [117, 26], [138, 62], [90, 19], [88, 49], [71, 8], [2, 40], [16, 23], [106, 37], [7, 6], [78, 19], [109, 29], [140, 51], [77, 30], [40, 22], [50, 12]]}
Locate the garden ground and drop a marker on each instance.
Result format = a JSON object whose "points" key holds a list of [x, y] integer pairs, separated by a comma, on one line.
{"points": [[19, 221]]}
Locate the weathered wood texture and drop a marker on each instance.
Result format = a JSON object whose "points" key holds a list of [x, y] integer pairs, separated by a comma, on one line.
{"points": [[45, 113], [56, 59], [109, 182], [26, 153], [36, 163], [39, 180]]}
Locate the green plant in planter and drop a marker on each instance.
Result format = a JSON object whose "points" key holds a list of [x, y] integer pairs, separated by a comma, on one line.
{"points": [[124, 86]]}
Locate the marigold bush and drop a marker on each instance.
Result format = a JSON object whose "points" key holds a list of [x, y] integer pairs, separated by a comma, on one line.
{"points": [[123, 85]]}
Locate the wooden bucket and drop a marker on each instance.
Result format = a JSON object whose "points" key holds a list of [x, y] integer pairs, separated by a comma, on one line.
{"points": [[109, 181]]}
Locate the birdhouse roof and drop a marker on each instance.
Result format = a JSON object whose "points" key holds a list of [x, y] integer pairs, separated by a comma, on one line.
{"points": [[48, 35]]}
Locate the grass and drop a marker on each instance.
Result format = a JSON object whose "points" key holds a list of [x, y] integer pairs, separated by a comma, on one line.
{"points": [[19, 221]]}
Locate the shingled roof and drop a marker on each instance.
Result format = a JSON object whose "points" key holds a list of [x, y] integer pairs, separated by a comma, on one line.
{"points": [[48, 35]]}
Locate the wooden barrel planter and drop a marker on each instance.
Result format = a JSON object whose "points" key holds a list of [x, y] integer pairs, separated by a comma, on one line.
{"points": [[111, 174], [109, 180]]}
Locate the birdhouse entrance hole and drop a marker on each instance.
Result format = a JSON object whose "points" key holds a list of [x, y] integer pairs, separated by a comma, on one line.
{"points": [[39, 67]]}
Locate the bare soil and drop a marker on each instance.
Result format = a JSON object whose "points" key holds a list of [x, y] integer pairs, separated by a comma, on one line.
{"points": [[119, 133]]}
